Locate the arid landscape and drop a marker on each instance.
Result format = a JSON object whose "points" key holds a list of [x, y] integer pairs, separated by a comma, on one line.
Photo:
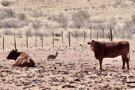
{"points": [[42, 27]]}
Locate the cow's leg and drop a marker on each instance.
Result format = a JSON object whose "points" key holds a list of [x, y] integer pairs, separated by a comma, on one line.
{"points": [[100, 62], [127, 63], [123, 60]]}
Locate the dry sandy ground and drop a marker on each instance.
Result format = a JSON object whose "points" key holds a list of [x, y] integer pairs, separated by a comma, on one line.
{"points": [[75, 68]]}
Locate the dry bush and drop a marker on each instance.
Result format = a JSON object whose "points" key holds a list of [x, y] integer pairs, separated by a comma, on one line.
{"points": [[28, 33], [36, 24], [76, 34], [7, 32], [21, 16], [103, 6], [12, 23], [6, 13], [61, 19], [5, 3], [48, 26], [19, 34], [45, 34], [38, 33], [79, 18]]}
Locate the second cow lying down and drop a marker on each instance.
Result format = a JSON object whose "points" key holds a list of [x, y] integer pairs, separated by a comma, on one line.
{"points": [[110, 50], [22, 59]]}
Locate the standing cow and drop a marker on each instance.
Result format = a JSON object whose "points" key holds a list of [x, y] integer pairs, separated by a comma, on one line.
{"points": [[22, 59], [111, 50]]}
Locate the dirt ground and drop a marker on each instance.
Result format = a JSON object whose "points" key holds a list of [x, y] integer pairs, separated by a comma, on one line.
{"points": [[75, 68]]}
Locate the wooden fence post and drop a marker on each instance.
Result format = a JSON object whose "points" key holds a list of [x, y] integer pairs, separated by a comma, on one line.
{"points": [[90, 34], [62, 36], [3, 43], [15, 42], [69, 38], [42, 41], [84, 35], [27, 41], [111, 36], [53, 37]]}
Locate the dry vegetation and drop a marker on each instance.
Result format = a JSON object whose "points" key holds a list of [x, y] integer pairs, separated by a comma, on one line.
{"points": [[42, 27]]}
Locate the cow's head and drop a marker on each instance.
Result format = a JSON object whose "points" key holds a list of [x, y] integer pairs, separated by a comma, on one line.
{"points": [[92, 44], [13, 54]]}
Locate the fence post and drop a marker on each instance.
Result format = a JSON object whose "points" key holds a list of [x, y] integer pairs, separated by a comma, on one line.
{"points": [[84, 35], [69, 38], [42, 42], [15, 41], [62, 36], [3, 43], [90, 33], [27, 42], [111, 36], [53, 37]]}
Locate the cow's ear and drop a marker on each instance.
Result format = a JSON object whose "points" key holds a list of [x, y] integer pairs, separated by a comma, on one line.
{"points": [[15, 50], [93, 41]]}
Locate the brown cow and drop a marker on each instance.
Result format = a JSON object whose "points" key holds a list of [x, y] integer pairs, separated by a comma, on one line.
{"points": [[22, 59], [111, 50]]}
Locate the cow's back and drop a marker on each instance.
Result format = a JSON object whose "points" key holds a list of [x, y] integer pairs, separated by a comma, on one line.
{"points": [[113, 49], [25, 60]]}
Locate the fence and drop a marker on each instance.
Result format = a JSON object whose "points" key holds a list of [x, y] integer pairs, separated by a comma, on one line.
{"points": [[64, 37]]}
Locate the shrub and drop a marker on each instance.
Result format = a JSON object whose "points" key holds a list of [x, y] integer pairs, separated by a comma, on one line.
{"points": [[28, 33], [7, 32], [5, 3], [37, 33], [21, 16], [6, 13], [79, 18], [45, 34], [12, 23], [63, 20], [19, 34], [36, 24]]}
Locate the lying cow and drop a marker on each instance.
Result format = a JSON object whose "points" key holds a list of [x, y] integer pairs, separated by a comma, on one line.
{"points": [[111, 50], [22, 59]]}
